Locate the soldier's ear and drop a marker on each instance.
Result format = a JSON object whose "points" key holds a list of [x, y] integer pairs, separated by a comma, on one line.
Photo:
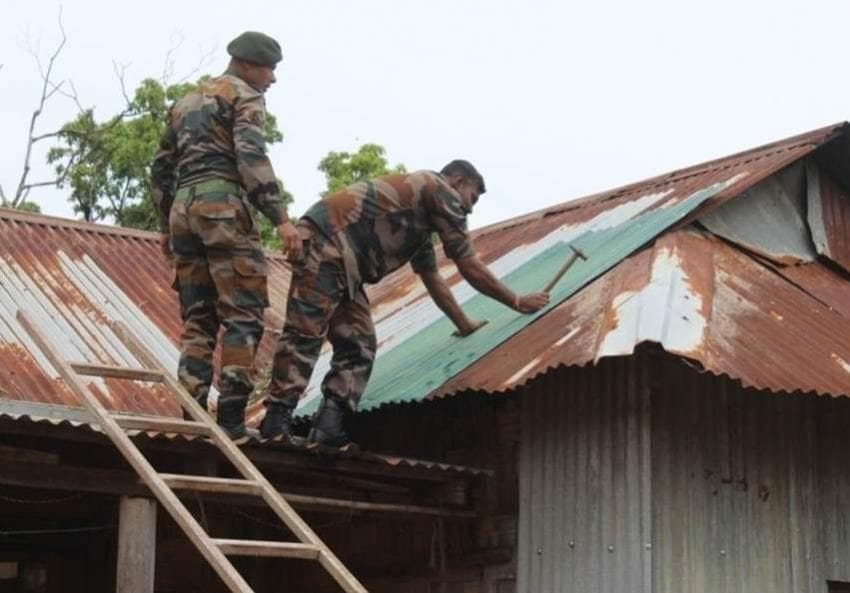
{"points": [[454, 181]]}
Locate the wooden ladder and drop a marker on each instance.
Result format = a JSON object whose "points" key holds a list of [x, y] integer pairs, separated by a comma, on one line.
{"points": [[215, 551]]}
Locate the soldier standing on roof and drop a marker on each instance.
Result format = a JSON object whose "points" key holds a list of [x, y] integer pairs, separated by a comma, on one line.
{"points": [[358, 236], [211, 159]]}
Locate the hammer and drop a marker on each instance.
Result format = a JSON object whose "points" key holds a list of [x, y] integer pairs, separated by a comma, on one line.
{"points": [[577, 253]]}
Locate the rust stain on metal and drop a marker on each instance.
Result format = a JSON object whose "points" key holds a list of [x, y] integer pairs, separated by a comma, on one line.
{"points": [[742, 338]]}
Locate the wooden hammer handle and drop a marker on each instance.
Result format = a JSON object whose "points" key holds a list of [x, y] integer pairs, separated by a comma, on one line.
{"points": [[577, 253]]}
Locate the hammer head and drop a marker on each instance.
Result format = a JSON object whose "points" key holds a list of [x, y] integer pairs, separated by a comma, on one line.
{"points": [[578, 252]]}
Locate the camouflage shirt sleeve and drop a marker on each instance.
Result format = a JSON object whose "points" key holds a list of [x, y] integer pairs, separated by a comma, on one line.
{"points": [[255, 170], [448, 215], [424, 260], [163, 176]]}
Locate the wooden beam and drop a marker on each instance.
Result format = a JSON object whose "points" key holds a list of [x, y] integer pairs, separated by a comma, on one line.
{"points": [[136, 545], [123, 483], [9, 453]]}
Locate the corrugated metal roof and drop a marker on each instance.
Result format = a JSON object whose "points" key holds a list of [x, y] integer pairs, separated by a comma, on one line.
{"points": [[78, 278], [606, 239], [698, 297], [769, 218]]}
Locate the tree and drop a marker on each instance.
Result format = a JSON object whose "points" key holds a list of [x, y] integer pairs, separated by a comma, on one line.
{"points": [[49, 88], [341, 169], [106, 163]]}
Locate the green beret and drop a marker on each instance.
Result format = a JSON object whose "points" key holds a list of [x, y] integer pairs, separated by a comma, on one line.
{"points": [[256, 48]]}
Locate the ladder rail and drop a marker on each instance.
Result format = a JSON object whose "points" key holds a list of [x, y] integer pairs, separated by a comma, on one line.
{"points": [[211, 552], [327, 559]]}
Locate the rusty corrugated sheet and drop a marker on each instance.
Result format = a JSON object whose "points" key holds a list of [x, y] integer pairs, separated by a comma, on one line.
{"points": [[402, 310], [701, 298], [829, 216], [76, 279]]}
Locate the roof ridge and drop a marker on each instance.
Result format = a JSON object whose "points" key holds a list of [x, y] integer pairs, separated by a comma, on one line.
{"points": [[815, 137], [69, 223]]}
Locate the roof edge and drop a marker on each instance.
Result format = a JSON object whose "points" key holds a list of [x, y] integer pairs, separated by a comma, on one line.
{"points": [[815, 138], [79, 225], [59, 222]]}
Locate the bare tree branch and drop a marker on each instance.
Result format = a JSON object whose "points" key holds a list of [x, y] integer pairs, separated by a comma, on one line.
{"points": [[47, 90], [120, 73], [72, 94], [204, 60], [29, 186], [176, 42]]}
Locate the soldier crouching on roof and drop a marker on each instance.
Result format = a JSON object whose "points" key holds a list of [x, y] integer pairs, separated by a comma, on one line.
{"points": [[358, 236], [212, 158]]}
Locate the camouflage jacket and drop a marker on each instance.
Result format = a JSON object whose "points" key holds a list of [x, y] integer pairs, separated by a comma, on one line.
{"points": [[216, 132], [380, 225]]}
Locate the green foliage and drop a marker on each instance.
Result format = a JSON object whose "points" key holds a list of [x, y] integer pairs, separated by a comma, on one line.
{"points": [[106, 164], [29, 207], [341, 169]]}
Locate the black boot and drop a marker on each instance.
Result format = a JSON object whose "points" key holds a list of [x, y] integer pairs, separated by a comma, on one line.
{"points": [[328, 428], [231, 417], [278, 422]]}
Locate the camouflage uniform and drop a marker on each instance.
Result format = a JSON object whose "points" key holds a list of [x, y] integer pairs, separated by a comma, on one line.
{"points": [[213, 153], [357, 236]]}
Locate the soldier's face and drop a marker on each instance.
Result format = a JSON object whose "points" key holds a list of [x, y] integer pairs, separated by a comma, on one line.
{"points": [[260, 77], [468, 191]]}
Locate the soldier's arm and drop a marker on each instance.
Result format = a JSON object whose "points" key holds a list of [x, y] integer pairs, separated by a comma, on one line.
{"points": [[424, 263], [449, 219], [255, 170], [163, 176]]}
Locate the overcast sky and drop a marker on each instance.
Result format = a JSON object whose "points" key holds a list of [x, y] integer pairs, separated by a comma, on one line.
{"points": [[551, 100]]}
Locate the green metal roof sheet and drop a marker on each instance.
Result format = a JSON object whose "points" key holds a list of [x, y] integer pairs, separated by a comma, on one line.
{"points": [[416, 367]]}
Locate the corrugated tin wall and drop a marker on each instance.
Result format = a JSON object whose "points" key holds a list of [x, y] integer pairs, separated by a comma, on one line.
{"points": [[738, 491], [751, 490], [584, 481]]}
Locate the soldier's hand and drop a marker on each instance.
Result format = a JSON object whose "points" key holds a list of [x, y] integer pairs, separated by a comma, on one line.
{"points": [[529, 303], [470, 327], [290, 240]]}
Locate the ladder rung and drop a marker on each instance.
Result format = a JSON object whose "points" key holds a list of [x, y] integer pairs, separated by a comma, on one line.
{"points": [[161, 424], [212, 484], [241, 547], [101, 370]]}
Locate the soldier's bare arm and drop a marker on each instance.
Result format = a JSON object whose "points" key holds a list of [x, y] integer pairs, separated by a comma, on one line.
{"points": [[482, 279], [449, 219]]}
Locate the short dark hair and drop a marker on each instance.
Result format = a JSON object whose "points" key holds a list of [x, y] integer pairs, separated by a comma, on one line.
{"points": [[464, 169]]}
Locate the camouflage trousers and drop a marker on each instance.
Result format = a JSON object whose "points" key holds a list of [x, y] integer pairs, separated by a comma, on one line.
{"points": [[319, 306], [221, 280]]}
